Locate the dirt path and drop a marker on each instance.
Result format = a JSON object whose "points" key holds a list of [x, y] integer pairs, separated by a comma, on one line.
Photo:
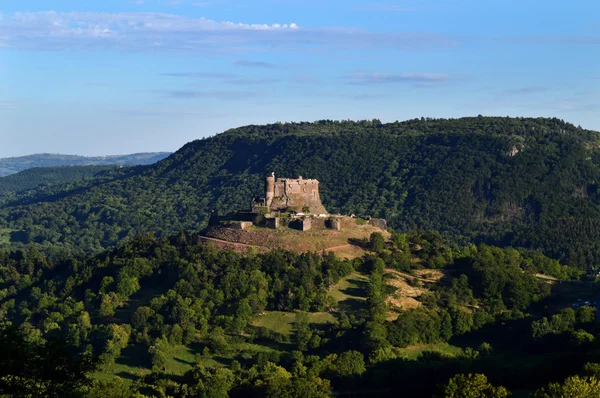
{"points": [[226, 242], [334, 248]]}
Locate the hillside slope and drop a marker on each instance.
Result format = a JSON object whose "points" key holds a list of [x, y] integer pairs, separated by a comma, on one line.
{"points": [[10, 166], [32, 178], [509, 181]]}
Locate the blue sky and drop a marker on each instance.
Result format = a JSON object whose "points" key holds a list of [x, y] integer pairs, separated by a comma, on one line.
{"points": [[123, 76]]}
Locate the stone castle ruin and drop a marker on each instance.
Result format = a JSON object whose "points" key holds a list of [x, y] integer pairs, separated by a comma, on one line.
{"points": [[291, 203], [287, 194]]}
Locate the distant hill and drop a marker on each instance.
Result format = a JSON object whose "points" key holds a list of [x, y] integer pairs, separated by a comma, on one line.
{"points": [[38, 176], [14, 165], [526, 182]]}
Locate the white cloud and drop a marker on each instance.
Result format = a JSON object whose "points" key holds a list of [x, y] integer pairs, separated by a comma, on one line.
{"points": [[52, 30]]}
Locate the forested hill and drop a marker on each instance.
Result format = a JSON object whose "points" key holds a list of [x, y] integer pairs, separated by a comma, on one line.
{"points": [[14, 165], [507, 181], [32, 178]]}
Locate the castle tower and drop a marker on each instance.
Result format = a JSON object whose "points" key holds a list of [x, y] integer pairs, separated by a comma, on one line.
{"points": [[270, 189]]}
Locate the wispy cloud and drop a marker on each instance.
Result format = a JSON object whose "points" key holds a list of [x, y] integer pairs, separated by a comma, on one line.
{"points": [[165, 2], [95, 84], [525, 90], [570, 40], [225, 78], [369, 97], [171, 112], [198, 94], [575, 105], [387, 8], [249, 81], [52, 30], [202, 75], [205, 3], [254, 64], [420, 79], [305, 79], [402, 6], [6, 104]]}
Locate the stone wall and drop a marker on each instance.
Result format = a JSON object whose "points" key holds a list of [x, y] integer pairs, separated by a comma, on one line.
{"points": [[242, 225], [334, 223], [297, 194], [302, 224], [273, 223], [318, 223], [379, 223]]}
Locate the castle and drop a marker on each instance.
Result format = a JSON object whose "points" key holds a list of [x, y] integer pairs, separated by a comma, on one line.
{"points": [[291, 203], [287, 194]]}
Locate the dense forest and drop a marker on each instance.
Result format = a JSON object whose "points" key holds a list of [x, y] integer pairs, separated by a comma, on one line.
{"points": [[38, 176], [503, 181], [69, 325], [14, 165]]}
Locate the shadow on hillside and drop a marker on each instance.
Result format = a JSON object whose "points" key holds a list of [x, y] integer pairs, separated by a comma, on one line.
{"points": [[127, 376], [352, 305], [358, 288], [362, 243], [184, 362]]}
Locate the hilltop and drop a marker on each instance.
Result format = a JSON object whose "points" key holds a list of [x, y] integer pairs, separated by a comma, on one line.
{"points": [[350, 242], [14, 165], [530, 182]]}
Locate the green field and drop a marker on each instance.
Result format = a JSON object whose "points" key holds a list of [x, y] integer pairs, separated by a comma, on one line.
{"points": [[351, 294], [413, 352], [283, 322], [135, 360], [352, 287]]}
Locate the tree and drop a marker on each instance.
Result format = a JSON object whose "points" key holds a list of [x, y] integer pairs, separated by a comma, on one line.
{"points": [[540, 328], [472, 386], [585, 314], [116, 337], [375, 336], [116, 388], [445, 326], [49, 369], [158, 353], [211, 382], [127, 286], [573, 387], [310, 388], [303, 332], [581, 337], [349, 363], [463, 321], [108, 304], [377, 242], [274, 380], [140, 318]]}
